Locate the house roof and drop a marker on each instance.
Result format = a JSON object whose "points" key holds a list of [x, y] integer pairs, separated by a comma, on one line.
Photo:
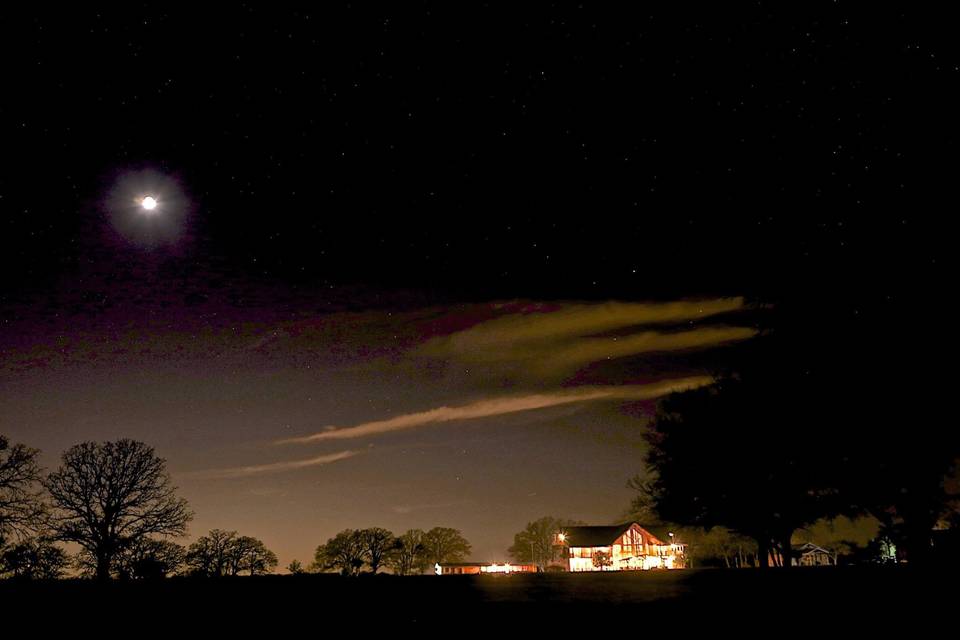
{"points": [[600, 536], [809, 547]]}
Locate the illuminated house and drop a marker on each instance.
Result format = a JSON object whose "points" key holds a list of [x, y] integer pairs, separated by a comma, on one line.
{"points": [[618, 548]]}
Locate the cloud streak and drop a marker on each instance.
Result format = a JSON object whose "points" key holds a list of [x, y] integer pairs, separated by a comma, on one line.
{"points": [[573, 321], [501, 406], [552, 343], [595, 349], [273, 467]]}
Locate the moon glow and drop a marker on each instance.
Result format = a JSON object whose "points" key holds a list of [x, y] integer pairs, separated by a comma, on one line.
{"points": [[148, 208]]}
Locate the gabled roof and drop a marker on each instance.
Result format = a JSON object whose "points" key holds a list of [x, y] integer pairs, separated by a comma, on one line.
{"points": [[809, 547], [600, 536]]}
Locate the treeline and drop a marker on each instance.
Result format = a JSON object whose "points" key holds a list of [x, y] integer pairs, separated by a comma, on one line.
{"points": [[116, 502], [351, 551]]}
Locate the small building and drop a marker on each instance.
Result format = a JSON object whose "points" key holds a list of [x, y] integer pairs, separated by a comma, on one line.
{"points": [[477, 568], [811, 555], [619, 547]]}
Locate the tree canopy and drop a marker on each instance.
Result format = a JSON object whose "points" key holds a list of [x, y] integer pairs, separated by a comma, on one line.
{"points": [[33, 559], [443, 544], [21, 506], [807, 421], [225, 553], [109, 496], [378, 543], [538, 542], [343, 553], [409, 553], [730, 455]]}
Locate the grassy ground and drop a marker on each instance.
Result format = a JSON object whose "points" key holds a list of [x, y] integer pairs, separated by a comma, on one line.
{"points": [[858, 601]]}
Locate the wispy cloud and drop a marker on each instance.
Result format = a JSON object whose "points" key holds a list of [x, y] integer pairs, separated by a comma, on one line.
{"points": [[554, 342], [502, 406], [574, 320], [273, 467], [594, 349]]}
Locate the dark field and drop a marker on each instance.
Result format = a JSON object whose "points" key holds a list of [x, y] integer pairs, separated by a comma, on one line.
{"points": [[824, 600]]}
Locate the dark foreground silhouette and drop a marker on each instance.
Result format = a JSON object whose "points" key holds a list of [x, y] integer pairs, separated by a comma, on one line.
{"points": [[823, 601]]}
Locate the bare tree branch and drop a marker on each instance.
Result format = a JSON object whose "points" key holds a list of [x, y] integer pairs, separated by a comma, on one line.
{"points": [[110, 496]]}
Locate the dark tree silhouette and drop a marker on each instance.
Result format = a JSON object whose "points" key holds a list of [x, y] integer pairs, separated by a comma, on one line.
{"points": [[109, 496], [814, 418], [210, 555], [145, 559], [250, 555], [729, 455], [538, 542], [224, 553], [443, 544], [377, 543], [152, 559], [343, 553], [295, 567], [21, 507], [906, 488], [717, 547], [34, 559], [408, 554]]}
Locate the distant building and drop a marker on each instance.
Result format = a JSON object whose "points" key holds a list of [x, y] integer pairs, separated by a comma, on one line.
{"points": [[477, 568], [810, 555], [617, 548]]}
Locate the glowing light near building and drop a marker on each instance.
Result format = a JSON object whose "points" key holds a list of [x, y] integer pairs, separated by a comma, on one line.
{"points": [[500, 568]]}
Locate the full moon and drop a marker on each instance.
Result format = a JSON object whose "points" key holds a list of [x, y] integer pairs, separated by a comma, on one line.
{"points": [[148, 208]]}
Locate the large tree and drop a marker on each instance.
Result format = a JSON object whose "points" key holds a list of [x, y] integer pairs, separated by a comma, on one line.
{"points": [[250, 555], [408, 555], [210, 555], [733, 455], [905, 473], [224, 553], [377, 544], [343, 553], [21, 506], [108, 496], [443, 544], [816, 417], [538, 542]]}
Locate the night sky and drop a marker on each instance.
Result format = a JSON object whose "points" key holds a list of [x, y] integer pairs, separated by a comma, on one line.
{"points": [[475, 246]]}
